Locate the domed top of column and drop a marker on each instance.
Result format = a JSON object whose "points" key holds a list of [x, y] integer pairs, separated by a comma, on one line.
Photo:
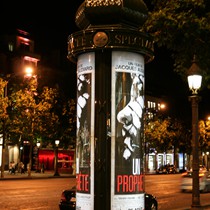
{"points": [[93, 13]]}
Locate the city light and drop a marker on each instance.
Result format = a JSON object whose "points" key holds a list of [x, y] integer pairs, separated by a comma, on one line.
{"points": [[194, 82]]}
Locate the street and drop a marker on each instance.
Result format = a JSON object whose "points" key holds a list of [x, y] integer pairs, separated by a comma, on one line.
{"points": [[33, 194], [44, 194], [166, 188]]}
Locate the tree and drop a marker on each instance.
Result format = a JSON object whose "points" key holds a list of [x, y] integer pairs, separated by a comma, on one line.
{"points": [[31, 114], [68, 120], [204, 134], [183, 27], [3, 119], [181, 140], [166, 134], [3, 103], [158, 135]]}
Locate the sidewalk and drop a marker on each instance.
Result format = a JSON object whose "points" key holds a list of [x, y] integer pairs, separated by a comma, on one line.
{"points": [[35, 175]]}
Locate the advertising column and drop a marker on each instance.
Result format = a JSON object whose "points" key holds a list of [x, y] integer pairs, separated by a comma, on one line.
{"points": [[127, 170], [85, 131]]}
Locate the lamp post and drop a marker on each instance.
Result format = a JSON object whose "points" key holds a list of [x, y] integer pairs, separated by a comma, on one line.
{"points": [[207, 162], [56, 173], [194, 82], [30, 76], [38, 145]]}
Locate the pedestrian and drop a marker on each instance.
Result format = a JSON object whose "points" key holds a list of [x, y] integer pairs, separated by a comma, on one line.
{"points": [[10, 167], [43, 168], [22, 171], [13, 169]]}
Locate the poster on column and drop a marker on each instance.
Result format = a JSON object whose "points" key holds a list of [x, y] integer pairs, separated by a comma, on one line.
{"points": [[85, 71], [128, 79]]}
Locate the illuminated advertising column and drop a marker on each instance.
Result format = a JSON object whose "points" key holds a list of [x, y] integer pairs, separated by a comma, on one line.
{"points": [[85, 131], [110, 52], [127, 190]]}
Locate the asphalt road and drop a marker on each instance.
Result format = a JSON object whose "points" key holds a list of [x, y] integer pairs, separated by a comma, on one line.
{"points": [[32, 194], [166, 188], [44, 194]]}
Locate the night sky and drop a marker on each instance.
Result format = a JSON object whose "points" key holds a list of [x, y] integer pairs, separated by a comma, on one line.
{"points": [[51, 22]]}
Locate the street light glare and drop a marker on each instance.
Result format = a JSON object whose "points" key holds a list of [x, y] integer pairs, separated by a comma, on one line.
{"points": [[57, 142], [28, 71], [162, 106], [38, 144], [194, 82]]}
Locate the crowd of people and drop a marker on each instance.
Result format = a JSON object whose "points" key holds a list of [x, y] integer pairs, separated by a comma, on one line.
{"points": [[20, 167]]}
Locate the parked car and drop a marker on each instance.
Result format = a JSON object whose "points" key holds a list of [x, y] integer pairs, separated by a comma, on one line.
{"points": [[187, 180], [166, 169], [68, 200]]}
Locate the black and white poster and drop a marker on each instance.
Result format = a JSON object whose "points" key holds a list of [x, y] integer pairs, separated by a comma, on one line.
{"points": [[127, 144], [85, 120]]}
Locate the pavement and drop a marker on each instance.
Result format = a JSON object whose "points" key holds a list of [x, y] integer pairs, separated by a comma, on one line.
{"points": [[35, 175], [202, 207], [51, 174]]}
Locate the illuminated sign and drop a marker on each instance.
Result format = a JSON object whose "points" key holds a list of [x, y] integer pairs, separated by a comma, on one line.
{"points": [[85, 130], [127, 151], [128, 40]]}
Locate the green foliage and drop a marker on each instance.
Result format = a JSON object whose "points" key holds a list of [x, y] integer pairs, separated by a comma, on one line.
{"points": [[183, 27], [204, 134], [69, 123], [163, 134], [157, 134], [31, 113], [3, 100]]}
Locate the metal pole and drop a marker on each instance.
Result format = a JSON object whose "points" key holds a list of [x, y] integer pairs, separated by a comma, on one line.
{"points": [[37, 167], [56, 162], [195, 152]]}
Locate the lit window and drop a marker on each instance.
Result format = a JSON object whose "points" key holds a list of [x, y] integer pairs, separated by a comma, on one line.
{"points": [[11, 47]]}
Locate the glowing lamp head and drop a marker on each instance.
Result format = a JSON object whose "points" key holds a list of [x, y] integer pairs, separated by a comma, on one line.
{"points": [[194, 82], [38, 144], [194, 77], [28, 72], [57, 142]]}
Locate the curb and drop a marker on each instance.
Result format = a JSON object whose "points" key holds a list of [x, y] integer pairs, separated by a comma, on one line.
{"points": [[35, 175]]}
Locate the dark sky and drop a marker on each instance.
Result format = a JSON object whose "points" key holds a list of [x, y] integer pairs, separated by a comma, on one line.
{"points": [[51, 22]]}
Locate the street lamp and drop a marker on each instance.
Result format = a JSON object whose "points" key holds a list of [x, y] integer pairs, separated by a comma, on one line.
{"points": [[38, 145], [31, 77], [194, 82], [28, 72], [56, 173]]}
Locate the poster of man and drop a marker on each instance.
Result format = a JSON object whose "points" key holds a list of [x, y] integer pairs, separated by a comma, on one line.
{"points": [[129, 99]]}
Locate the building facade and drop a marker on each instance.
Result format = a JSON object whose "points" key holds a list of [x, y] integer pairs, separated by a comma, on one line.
{"points": [[157, 107]]}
